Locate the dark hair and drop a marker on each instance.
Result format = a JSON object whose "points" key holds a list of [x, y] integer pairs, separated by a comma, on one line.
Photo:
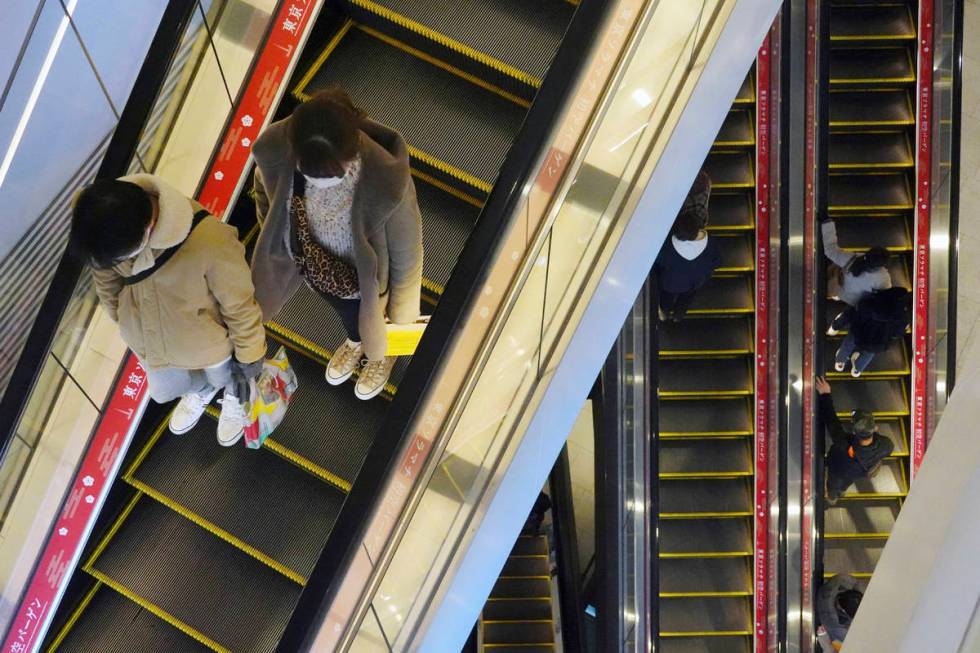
{"points": [[687, 225], [323, 133], [849, 601], [874, 258], [109, 219]]}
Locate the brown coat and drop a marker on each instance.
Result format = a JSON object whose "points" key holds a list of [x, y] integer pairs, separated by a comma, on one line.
{"points": [[386, 227], [199, 307]]}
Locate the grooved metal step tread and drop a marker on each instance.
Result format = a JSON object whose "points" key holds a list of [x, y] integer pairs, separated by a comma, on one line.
{"points": [[523, 588], [705, 376], [871, 66], [737, 130], [892, 362], [327, 425], [705, 537], [899, 270], [705, 576], [875, 150], [871, 108], [852, 556], [707, 496], [730, 170], [724, 295], [446, 224], [864, 232], [516, 610], [861, 517], [212, 587], [731, 335], [885, 397], [730, 212], [729, 644], [705, 457], [530, 545], [702, 417], [746, 92], [737, 253], [518, 633], [519, 35], [869, 192], [440, 114], [889, 481], [892, 428], [256, 496], [871, 23], [705, 615], [525, 566], [111, 623]]}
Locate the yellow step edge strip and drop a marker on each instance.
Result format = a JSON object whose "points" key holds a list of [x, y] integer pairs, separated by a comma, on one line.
{"points": [[708, 554], [701, 354], [526, 556], [452, 44], [704, 393], [857, 574], [856, 536], [740, 436], [446, 188], [670, 476], [300, 91], [159, 612], [706, 633], [452, 171], [218, 532], [875, 495], [701, 595], [75, 616], [873, 80], [704, 515], [673, 435]]}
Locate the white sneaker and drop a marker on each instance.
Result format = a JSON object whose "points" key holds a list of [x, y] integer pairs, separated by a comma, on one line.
{"points": [[839, 366], [855, 372], [831, 331], [343, 362], [231, 423], [374, 375], [189, 410]]}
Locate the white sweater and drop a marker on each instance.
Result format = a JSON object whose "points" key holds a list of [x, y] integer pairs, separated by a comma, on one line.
{"points": [[853, 287]]}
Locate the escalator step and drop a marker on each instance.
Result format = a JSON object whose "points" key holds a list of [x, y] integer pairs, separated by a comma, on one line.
{"points": [[256, 496], [877, 150], [869, 192], [730, 170], [886, 397], [517, 610], [871, 66], [871, 108], [705, 615], [737, 253], [871, 22], [212, 587], [861, 517], [892, 362], [519, 633], [699, 417], [852, 555], [725, 335], [746, 92], [705, 377], [731, 644], [709, 496], [526, 566], [737, 130], [889, 481], [721, 295], [446, 224], [899, 271], [527, 545], [705, 537], [730, 212], [510, 33], [705, 457], [440, 114], [521, 588], [705, 576], [111, 623], [863, 232]]}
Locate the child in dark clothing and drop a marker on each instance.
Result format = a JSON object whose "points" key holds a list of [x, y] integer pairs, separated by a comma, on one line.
{"points": [[854, 455], [689, 258]]}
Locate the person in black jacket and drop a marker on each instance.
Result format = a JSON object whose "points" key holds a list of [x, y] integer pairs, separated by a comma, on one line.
{"points": [[689, 257], [878, 318], [854, 455]]}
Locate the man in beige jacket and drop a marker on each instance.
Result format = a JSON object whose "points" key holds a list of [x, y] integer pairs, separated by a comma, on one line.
{"points": [[176, 281]]}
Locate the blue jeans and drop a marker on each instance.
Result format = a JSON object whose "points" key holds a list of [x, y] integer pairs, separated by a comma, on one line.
{"points": [[847, 348]]}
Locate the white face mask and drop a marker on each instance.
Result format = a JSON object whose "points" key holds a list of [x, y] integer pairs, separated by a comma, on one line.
{"points": [[324, 182], [143, 244]]}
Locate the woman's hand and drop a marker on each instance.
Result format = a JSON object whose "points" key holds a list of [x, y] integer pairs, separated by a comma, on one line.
{"points": [[820, 383]]}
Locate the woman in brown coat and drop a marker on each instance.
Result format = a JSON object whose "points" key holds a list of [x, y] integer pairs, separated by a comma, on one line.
{"points": [[337, 205]]}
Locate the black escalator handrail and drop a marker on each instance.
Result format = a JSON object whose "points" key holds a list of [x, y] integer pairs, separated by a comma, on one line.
{"points": [[461, 291], [119, 154], [954, 196], [567, 554]]}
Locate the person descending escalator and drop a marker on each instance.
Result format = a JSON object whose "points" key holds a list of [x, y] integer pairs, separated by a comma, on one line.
{"points": [[878, 319], [838, 600], [851, 276], [853, 455], [192, 321], [336, 202], [689, 257]]}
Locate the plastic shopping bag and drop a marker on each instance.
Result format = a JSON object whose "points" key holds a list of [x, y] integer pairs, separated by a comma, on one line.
{"points": [[403, 339], [268, 398]]}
